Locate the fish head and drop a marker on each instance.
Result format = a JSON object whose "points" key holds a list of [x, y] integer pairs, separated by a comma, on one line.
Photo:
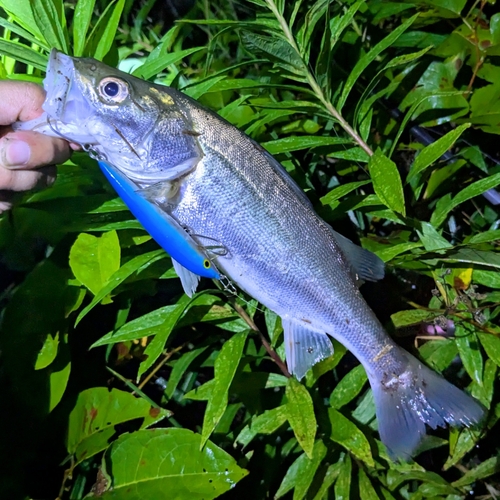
{"points": [[137, 126]]}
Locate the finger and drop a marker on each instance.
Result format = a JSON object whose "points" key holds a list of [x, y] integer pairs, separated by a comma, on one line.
{"points": [[20, 101], [5, 203], [25, 150], [23, 180]]}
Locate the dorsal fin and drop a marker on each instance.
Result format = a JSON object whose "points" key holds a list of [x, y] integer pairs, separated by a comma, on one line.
{"points": [[365, 265]]}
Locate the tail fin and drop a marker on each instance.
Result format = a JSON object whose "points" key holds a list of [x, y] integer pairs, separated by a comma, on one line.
{"points": [[419, 396]]}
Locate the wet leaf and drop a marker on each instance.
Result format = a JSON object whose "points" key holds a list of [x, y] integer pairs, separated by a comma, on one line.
{"points": [[300, 414], [350, 437], [348, 388], [343, 483], [468, 348], [266, 423], [434, 151], [96, 413], [168, 463], [225, 368], [301, 473], [387, 182], [81, 22], [296, 143]]}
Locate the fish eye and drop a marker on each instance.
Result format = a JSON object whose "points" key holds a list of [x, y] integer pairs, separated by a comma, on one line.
{"points": [[113, 90]]}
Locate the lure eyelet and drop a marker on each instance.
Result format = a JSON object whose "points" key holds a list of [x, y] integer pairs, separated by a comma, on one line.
{"points": [[113, 90]]}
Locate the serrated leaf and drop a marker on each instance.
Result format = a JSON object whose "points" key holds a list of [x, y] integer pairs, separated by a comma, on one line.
{"points": [[95, 414], [94, 260], [168, 463], [347, 434], [224, 370], [300, 414], [387, 182]]}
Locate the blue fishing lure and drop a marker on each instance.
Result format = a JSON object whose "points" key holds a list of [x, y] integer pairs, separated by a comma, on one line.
{"points": [[163, 228]]}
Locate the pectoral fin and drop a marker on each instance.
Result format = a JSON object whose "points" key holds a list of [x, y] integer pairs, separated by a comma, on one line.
{"points": [[304, 347], [188, 279], [365, 265]]}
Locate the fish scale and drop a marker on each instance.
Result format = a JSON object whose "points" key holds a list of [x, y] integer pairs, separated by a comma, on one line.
{"points": [[214, 184]]}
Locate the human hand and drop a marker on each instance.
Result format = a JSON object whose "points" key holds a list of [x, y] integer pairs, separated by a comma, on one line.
{"points": [[26, 158]]}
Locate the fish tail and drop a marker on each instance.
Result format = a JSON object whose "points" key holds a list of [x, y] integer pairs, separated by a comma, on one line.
{"points": [[406, 403]]}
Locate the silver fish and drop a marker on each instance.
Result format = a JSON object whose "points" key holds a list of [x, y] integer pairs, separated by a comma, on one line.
{"points": [[216, 181]]}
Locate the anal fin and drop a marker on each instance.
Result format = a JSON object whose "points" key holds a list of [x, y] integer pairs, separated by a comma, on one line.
{"points": [[189, 280], [304, 346]]}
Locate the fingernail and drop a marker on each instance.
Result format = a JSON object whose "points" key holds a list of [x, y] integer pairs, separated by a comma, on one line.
{"points": [[14, 153]]}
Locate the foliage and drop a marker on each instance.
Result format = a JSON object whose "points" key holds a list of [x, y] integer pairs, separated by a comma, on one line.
{"points": [[89, 301]]}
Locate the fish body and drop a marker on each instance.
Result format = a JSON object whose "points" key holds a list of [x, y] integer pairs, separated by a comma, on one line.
{"points": [[229, 193]]}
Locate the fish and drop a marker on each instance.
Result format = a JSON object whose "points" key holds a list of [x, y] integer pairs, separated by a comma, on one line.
{"points": [[226, 191]]}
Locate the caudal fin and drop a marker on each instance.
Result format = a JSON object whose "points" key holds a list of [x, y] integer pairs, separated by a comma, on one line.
{"points": [[419, 396]]}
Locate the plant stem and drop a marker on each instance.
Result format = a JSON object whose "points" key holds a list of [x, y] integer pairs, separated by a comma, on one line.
{"points": [[314, 84]]}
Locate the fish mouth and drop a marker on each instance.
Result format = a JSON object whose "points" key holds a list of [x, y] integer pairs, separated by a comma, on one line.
{"points": [[65, 103]]}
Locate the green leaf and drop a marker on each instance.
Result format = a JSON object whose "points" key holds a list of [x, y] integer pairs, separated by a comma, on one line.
{"points": [[22, 13], [431, 239], [491, 344], [350, 437], [301, 415], [180, 368], [23, 54], [48, 17], [469, 351], [412, 317], [154, 66], [366, 490], [81, 22], [168, 463], [144, 326], [107, 37], [348, 388], [365, 60], [343, 483], [439, 353], [266, 423], [340, 191], [48, 352], [163, 331], [296, 143], [475, 189], [134, 265], [485, 469], [434, 151], [94, 260], [387, 182], [23, 33], [224, 370], [301, 473], [96, 413]]}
